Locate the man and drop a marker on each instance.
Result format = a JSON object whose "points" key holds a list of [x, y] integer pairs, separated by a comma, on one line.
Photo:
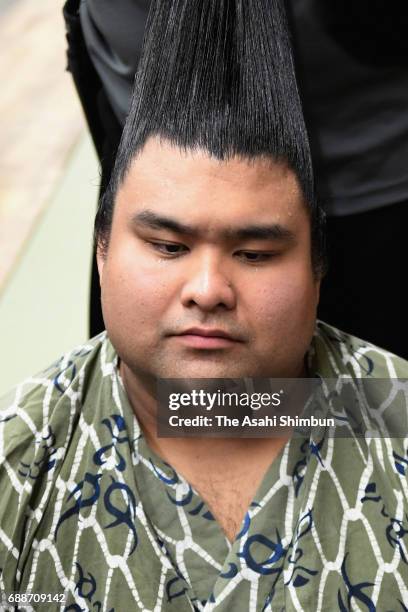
{"points": [[210, 258]]}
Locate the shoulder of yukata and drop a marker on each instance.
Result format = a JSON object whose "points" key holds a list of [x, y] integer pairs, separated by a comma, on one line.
{"points": [[359, 358], [30, 411], [36, 418]]}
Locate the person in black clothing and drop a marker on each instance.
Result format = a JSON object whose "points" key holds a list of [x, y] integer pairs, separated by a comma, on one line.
{"points": [[353, 75]]}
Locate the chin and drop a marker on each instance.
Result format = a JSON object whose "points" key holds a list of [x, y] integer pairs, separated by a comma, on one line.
{"points": [[210, 368], [200, 372]]}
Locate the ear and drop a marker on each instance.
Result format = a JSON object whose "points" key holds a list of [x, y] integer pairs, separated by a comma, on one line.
{"points": [[100, 259]]}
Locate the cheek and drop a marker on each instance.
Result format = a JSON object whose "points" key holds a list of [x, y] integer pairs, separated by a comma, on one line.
{"points": [[288, 302], [133, 294]]}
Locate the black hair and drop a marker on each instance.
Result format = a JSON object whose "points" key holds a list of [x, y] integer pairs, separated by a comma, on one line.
{"points": [[217, 75]]}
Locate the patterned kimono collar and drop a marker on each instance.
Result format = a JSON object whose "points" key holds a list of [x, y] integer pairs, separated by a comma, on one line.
{"points": [[211, 573]]}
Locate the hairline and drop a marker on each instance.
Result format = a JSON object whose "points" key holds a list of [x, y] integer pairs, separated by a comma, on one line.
{"points": [[120, 173], [121, 170]]}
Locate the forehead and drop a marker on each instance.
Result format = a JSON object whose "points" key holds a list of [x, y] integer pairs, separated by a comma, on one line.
{"points": [[192, 183]]}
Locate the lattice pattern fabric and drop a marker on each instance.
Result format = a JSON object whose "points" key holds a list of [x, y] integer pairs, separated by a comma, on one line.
{"points": [[88, 509]]}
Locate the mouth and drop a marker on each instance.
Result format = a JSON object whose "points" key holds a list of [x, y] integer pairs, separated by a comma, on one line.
{"points": [[203, 338]]}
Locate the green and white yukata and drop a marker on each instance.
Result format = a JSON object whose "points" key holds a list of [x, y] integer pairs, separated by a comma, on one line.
{"points": [[87, 509]]}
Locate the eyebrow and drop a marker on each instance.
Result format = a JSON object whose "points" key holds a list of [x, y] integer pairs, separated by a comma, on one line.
{"points": [[273, 231]]}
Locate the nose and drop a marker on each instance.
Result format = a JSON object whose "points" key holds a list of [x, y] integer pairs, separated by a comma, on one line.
{"points": [[207, 285]]}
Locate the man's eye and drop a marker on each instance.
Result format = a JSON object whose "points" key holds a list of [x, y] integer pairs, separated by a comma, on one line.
{"points": [[169, 248], [254, 256]]}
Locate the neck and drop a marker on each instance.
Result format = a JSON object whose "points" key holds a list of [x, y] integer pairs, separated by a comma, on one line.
{"points": [[184, 453]]}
